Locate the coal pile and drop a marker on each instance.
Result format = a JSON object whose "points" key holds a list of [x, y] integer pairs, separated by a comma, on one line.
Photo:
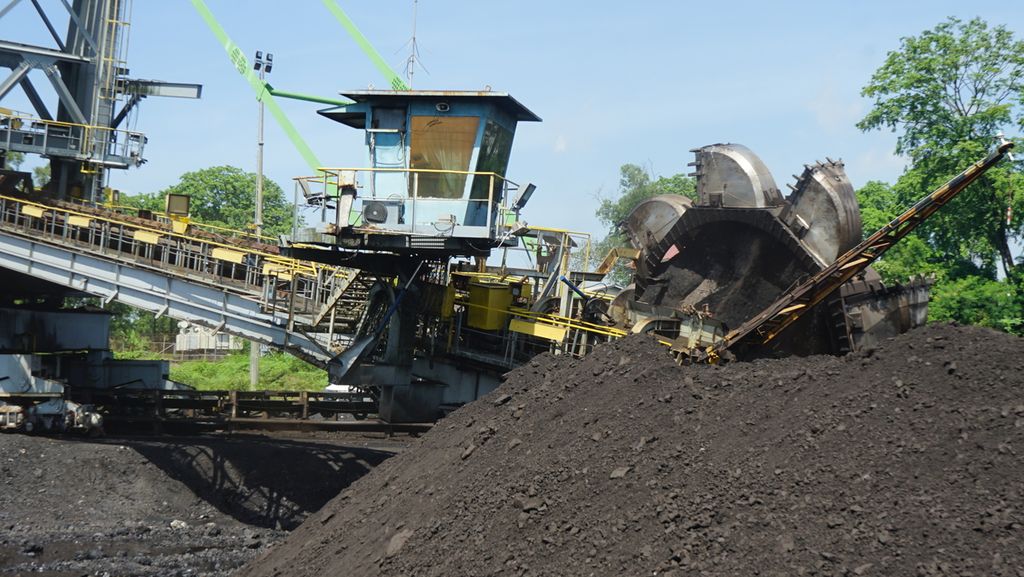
{"points": [[161, 506], [900, 460]]}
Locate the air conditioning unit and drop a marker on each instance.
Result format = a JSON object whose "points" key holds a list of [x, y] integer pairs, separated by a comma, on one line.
{"points": [[383, 213]]}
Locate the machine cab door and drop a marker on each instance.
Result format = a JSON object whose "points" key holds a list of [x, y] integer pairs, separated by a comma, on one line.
{"points": [[386, 139]]}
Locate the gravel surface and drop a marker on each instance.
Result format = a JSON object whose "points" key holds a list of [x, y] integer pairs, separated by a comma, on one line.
{"points": [[900, 460], [163, 505]]}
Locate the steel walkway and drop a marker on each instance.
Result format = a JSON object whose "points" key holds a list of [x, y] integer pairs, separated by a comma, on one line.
{"points": [[228, 283]]}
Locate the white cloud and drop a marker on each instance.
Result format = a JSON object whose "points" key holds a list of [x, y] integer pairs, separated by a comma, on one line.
{"points": [[561, 143]]}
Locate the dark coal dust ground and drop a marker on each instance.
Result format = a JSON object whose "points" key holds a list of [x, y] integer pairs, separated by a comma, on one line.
{"points": [[165, 506], [900, 460]]}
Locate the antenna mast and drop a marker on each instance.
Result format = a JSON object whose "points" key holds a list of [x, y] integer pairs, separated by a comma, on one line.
{"points": [[410, 63]]}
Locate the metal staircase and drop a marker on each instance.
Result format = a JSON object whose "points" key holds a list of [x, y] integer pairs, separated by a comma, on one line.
{"points": [[211, 278]]}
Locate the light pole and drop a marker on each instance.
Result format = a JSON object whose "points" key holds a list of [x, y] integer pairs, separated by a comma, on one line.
{"points": [[263, 66]]}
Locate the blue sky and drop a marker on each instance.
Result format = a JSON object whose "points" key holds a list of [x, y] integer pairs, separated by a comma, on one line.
{"points": [[639, 82]]}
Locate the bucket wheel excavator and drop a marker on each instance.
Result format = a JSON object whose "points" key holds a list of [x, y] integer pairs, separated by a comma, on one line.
{"points": [[743, 257]]}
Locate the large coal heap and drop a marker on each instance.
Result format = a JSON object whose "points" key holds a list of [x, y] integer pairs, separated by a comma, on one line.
{"points": [[900, 460], [161, 506]]}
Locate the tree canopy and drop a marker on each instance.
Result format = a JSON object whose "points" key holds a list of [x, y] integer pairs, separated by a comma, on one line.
{"points": [[222, 196], [13, 159], [946, 93], [40, 174], [226, 196], [959, 81], [635, 186]]}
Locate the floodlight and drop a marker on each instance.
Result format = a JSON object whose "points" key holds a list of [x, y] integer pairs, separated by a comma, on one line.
{"points": [[524, 197]]}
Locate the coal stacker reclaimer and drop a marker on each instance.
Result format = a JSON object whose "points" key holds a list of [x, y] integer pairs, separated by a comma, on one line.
{"points": [[439, 325], [434, 190]]}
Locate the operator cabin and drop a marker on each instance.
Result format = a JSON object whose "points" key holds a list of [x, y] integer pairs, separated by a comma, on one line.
{"points": [[436, 176]]}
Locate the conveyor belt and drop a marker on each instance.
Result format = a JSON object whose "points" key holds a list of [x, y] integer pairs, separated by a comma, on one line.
{"points": [[226, 283]]}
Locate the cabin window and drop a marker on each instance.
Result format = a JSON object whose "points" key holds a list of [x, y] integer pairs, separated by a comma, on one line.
{"points": [[389, 118], [442, 143], [387, 140], [494, 154]]}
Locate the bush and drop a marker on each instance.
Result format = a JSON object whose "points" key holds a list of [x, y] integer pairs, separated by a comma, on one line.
{"points": [[138, 355], [278, 371], [978, 301]]}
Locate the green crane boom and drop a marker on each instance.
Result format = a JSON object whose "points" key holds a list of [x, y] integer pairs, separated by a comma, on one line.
{"points": [[262, 89], [392, 77]]}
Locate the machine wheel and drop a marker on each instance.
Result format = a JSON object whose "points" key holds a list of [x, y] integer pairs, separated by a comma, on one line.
{"points": [[596, 311]]}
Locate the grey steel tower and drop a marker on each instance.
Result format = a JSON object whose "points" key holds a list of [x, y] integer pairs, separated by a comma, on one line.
{"points": [[80, 134]]}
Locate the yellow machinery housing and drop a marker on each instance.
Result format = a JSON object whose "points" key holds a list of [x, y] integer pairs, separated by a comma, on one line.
{"points": [[488, 305]]}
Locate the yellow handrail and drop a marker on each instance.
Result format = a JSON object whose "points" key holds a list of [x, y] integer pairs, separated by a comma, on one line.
{"points": [[551, 319], [294, 265], [38, 120], [338, 171]]}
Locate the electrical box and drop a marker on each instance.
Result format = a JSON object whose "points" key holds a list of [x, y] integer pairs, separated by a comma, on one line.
{"points": [[488, 305], [521, 292]]}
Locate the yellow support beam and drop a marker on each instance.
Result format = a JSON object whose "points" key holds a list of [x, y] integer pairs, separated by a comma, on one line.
{"points": [[282, 272], [229, 255], [33, 211], [146, 236], [614, 255], [549, 332]]}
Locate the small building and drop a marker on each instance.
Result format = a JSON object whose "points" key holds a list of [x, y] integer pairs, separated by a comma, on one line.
{"points": [[197, 342]]}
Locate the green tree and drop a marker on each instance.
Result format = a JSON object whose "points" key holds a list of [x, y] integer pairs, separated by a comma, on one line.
{"points": [[963, 292], [221, 195], [41, 175], [13, 159], [635, 186], [225, 196], [879, 205], [947, 93]]}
